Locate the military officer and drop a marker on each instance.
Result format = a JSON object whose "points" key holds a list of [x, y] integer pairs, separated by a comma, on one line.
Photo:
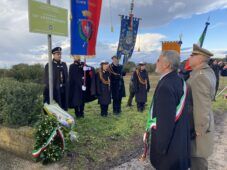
{"points": [[116, 84], [141, 85], [60, 80], [103, 87], [202, 82]]}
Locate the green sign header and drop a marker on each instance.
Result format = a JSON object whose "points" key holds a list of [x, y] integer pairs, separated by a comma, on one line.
{"points": [[47, 19]]}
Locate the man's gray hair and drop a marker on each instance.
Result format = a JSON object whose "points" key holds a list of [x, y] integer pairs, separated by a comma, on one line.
{"points": [[173, 58]]}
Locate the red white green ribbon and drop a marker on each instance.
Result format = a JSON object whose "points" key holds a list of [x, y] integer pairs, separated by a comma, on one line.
{"points": [[55, 132]]}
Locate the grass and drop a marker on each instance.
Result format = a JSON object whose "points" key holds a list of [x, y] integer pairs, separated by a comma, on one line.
{"points": [[220, 105], [103, 142]]}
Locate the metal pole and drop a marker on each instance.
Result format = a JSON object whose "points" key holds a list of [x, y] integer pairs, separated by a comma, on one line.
{"points": [[50, 65]]}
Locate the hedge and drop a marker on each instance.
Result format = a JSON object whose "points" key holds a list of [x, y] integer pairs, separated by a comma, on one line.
{"points": [[20, 103]]}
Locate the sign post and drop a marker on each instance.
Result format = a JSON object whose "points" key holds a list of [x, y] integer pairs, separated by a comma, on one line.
{"points": [[50, 68], [50, 20]]}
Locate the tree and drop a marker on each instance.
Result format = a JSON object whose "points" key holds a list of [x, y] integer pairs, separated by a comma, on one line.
{"points": [[24, 72], [129, 67]]}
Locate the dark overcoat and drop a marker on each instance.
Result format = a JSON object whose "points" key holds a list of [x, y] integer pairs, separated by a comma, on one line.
{"points": [[117, 82], [103, 90], [170, 141], [141, 89], [89, 94], [75, 84], [61, 100]]}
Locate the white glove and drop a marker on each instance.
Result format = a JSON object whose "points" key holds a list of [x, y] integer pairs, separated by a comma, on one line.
{"points": [[86, 68]]}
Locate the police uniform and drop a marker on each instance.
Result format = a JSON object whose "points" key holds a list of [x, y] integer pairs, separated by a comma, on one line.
{"points": [[103, 89], [141, 86], [60, 82], [117, 86]]}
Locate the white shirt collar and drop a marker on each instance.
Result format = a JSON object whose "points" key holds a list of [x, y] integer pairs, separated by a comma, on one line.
{"points": [[163, 75]]}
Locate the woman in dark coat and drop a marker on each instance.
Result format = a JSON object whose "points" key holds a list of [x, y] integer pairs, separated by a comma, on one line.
{"points": [[103, 88], [141, 85]]}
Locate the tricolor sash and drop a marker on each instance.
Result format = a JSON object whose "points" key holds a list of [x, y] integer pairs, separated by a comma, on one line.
{"points": [[152, 121]]}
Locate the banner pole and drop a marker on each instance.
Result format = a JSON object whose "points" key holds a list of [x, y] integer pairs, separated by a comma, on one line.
{"points": [[50, 68]]}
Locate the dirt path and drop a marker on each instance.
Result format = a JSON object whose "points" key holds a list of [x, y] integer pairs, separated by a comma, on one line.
{"points": [[218, 161], [11, 162]]}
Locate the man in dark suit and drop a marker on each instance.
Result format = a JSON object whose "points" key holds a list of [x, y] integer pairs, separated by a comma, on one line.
{"points": [[170, 138], [117, 84], [60, 80]]}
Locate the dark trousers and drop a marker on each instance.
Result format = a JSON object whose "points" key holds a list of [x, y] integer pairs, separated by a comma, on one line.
{"points": [[63, 98], [104, 110], [198, 163], [217, 86], [130, 98], [117, 106], [140, 106], [79, 111]]}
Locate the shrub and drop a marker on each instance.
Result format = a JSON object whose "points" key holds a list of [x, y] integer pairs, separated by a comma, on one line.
{"points": [[27, 73], [20, 103]]}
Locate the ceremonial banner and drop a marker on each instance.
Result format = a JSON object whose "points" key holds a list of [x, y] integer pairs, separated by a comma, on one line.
{"points": [[127, 37], [171, 45], [84, 26], [47, 19]]}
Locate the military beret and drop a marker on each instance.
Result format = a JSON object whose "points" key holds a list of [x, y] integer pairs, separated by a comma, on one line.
{"points": [[104, 62], [199, 50], [56, 50]]}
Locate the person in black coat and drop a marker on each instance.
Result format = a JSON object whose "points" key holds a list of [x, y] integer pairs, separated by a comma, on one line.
{"points": [[216, 68], [141, 86], [60, 80], [223, 68], [116, 84], [131, 91], [170, 140], [76, 74], [103, 88]]}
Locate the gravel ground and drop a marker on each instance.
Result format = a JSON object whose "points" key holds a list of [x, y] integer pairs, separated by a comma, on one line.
{"points": [[218, 161]]}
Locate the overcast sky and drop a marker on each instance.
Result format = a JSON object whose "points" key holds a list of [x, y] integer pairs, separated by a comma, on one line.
{"points": [[162, 20]]}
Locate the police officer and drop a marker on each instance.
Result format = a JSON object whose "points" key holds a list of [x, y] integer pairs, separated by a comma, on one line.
{"points": [[76, 74], [141, 86], [116, 84], [60, 80], [103, 88]]}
